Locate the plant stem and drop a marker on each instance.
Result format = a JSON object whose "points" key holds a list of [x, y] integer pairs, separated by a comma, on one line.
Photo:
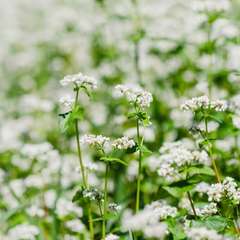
{"points": [[192, 205], [139, 169], [90, 221], [210, 153], [105, 202]]}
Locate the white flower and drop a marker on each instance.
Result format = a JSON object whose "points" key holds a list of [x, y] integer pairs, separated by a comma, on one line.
{"points": [[227, 189], [112, 237], [236, 121], [175, 155], [65, 207], [123, 143], [79, 80], [202, 233], [203, 102], [114, 207], [149, 219], [66, 101], [207, 210], [23, 231], [211, 5], [35, 211], [94, 140], [135, 94], [75, 225]]}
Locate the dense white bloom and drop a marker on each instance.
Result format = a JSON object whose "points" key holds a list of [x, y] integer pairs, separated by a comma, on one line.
{"points": [[94, 140], [202, 233], [36, 150], [112, 237], [135, 94], [175, 155], [66, 101], [211, 5], [227, 189], [151, 215], [23, 231], [114, 207], [35, 211], [123, 143], [75, 225], [236, 121], [203, 102], [65, 207], [207, 210], [79, 80]]}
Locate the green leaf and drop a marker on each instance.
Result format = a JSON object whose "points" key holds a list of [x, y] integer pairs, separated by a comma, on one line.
{"points": [[77, 113], [144, 149], [114, 160], [176, 229], [200, 170], [178, 192], [217, 223]]}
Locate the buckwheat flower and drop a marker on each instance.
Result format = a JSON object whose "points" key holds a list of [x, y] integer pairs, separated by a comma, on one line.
{"points": [[112, 237], [215, 192], [123, 143], [65, 207], [94, 140], [203, 102], [211, 5], [114, 207], [231, 189], [93, 194], [202, 233], [236, 121], [66, 101], [35, 211], [207, 210], [23, 231], [202, 187], [75, 225], [136, 95], [80, 80]]}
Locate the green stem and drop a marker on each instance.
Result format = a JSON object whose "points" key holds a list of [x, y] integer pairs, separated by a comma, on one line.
{"points": [[211, 153], [105, 203], [139, 169], [192, 205], [84, 179]]}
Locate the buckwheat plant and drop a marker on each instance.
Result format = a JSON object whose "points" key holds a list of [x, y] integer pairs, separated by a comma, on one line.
{"points": [[203, 109], [85, 83], [140, 100], [106, 150]]}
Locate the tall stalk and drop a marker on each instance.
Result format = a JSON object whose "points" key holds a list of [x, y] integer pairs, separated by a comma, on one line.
{"points": [[105, 202], [139, 169], [85, 184], [210, 152]]}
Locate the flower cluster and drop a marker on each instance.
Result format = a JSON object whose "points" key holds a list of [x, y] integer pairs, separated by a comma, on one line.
{"points": [[202, 233], [207, 210], [112, 237], [204, 103], [66, 101], [176, 155], [94, 140], [228, 189], [149, 219], [79, 80], [136, 95], [23, 231], [123, 143]]}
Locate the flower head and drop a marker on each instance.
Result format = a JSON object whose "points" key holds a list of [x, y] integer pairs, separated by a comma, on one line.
{"points": [[79, 80], [136, 95], [123, 143], [203, 102]]}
